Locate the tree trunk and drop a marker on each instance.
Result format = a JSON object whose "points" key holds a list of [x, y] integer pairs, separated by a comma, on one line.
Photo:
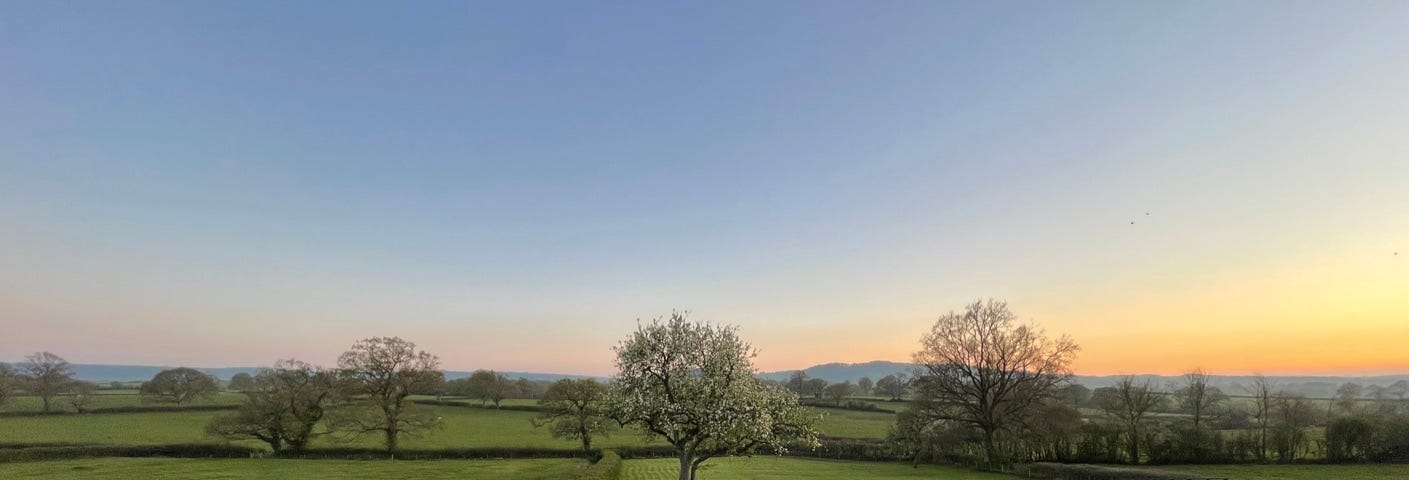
{"points": [[1134, 446], [990, 448], [391, 439], [587, 444], [46, 402], [687, 471]]}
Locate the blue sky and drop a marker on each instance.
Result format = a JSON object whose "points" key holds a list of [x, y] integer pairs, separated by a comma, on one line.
{"points": [[229, 183]]}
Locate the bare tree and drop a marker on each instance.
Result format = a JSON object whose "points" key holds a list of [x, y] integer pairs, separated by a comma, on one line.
{"points": [[1347, 395], [179, 385], [1262, 401], [80, 395], [381, 372], [576, 409], [47, 376], [1293, 416], [982, 369], [1199, 400], [864, 385], [1129, 402]]}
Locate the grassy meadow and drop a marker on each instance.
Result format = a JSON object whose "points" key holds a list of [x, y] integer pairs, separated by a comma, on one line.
{"points": [[210, 469], [776, 468], [1297, 472]]}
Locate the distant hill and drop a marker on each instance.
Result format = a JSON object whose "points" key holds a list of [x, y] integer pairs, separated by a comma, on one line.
{"points": [[1311, 386], [127, 373], [840, 372]]}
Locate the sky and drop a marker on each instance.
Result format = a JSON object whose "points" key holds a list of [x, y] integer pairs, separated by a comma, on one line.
{"points": [[514, 185]]}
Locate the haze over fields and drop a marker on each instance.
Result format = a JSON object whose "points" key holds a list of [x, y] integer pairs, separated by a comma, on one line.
{"points": [[1174, 184]]}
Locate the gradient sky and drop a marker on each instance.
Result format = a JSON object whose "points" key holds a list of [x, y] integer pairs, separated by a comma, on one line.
{"points": [[511, 185]]}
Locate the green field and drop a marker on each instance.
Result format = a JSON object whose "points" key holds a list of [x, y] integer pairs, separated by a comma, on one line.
{"points": [[179, 469], [776, 468], [106, 399], [462, 428], [1297, 472]]}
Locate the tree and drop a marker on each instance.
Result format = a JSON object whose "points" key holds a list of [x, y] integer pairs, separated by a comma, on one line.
{"points": [[381, 372], [815, 387], [488, 385], [47, 376], [1129, 402], [1076, 395], [864, 386], [9, 382], [981, 369], [1347, 395], [283, 407], [1399, 389], [179, 385], [576, 409], [1198, 399], [1292, 415], [839, 391], [80, 395], [242, 382], [1262, 404], [893, 385], [797, 382], [692, 384]]}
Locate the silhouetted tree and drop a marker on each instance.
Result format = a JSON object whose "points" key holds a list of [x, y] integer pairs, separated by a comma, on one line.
{"points": [[864, 386], [982, 369], [1129, 402]]}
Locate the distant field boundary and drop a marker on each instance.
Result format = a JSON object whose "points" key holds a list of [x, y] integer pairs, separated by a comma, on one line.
{"points": [[471, 404], [1060, 471], [128, 409]]}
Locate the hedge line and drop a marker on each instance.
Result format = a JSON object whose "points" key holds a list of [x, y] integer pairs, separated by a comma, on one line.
{"points": [[352, 453], [130, 409], [1060, 471], [91, 451], [464, 404], [607, 468], [864, 449], [846, 405]]}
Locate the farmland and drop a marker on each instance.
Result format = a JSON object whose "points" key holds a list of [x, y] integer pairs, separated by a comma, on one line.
{"points": [[174, 469]]}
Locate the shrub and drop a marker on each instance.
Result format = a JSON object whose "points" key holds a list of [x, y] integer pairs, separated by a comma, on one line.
{"points": [[91, 451], [606, 468]]}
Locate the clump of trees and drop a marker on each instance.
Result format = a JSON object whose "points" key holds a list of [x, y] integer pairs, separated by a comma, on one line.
{"points": [[692, 384], [179, 385], [47, 376], [284, 408]]}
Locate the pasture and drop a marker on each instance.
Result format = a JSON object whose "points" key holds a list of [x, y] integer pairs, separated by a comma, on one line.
{"points": [[1297, 472], [203, 469], [778, 468]]}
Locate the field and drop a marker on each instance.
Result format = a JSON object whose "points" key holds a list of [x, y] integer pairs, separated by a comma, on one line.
{"points": [[463, 428], [107, 399], [174, 469], [1298, 472], [774, 468]]}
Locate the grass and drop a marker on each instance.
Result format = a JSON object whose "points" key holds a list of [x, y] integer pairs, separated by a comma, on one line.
{"points": [[776, 468], [854, 423], [463, 428], [107, 399], [173, 469], [1297, 472]]}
